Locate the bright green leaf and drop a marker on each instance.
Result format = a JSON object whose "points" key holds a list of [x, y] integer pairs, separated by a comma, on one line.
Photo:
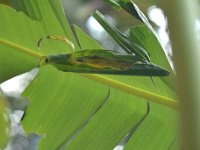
{"points": [[59, 119], [161, 121], [63, 107], [19, 39]]}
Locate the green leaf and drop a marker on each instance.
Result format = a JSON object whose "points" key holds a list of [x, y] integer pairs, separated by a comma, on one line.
{"points": [[104, 62], [134, 10], [113, 3], [64, 107], [160, 125], [19, 35], [66, 112], [146, 39], [141, 41], [127, 5], [140, 82], [120, 38]]}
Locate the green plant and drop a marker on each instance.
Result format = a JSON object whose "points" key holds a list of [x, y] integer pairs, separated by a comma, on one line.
{"points": [[80, 111]]}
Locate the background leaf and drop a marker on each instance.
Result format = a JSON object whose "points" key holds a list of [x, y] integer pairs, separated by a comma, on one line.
{"points": [[133, 9]]}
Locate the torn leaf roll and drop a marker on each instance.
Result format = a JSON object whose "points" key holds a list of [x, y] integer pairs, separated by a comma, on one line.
{"points": [[103, 62]]}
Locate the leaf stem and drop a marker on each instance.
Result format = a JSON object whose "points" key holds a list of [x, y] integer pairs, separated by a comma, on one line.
{"points": [[182, 16], [21, 48], [162, 100]]}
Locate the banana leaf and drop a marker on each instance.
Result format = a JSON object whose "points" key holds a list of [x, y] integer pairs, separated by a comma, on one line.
{"points": [[71, 111]]}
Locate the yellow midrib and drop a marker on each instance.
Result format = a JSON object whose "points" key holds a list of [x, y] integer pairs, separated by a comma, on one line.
{"points": [[153, 97]]}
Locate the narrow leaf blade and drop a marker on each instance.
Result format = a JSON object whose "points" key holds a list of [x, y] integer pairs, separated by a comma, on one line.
{"points": [[120, 38]]}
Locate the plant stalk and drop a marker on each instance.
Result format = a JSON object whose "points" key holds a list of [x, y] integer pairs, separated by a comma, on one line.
{"points": [[182, 16], [21, 48], [165, 101]]}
